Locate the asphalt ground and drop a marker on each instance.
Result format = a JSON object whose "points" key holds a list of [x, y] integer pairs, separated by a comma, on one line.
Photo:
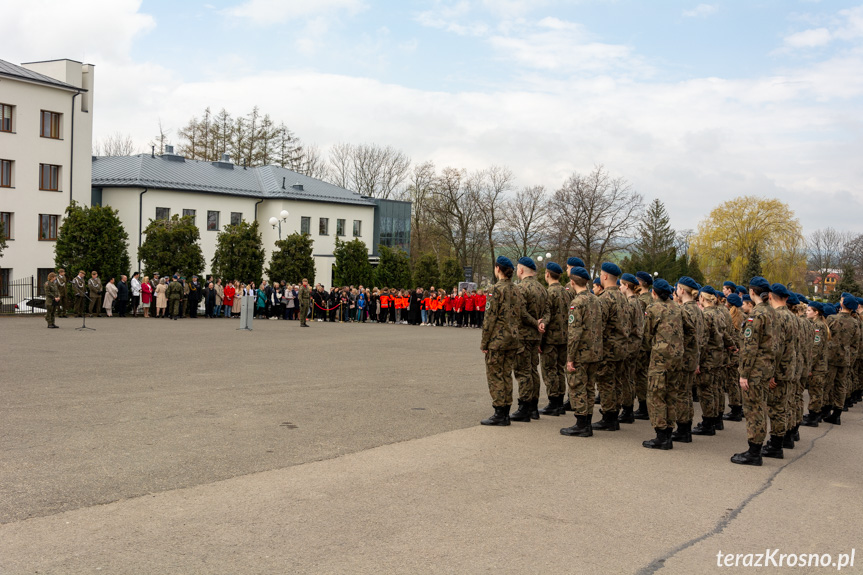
{"points": [[158, 446]]}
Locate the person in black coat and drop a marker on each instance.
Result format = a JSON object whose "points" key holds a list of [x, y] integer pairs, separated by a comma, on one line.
{"points": [[209, 299], [122, 296], [194, 297], [416, 301]]}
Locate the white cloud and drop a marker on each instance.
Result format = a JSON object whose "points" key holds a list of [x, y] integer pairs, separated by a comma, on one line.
{"points": [[809, 38], [701, 11], [452, 17], [270, 12], [846, 25]]}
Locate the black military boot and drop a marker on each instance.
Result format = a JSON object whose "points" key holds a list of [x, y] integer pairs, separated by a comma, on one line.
{"points": [[825, 412], [627, 415], [596, 400], [567, 404], [797, 432], [661, 441], [608, 423], [811, 419], [773, 448], [500, 416], [534, 408], [736, 413], [705, 427], [522, 413], [750, 457], [847, 405], [554, 407], [641, 413], [683, 433], [582, 427], [717, 423], [788, 440], [835, 418]]}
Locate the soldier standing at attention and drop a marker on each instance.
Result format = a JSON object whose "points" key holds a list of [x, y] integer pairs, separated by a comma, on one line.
{"points": [[711, 364], [645, 283], [533, 298], [305, 297], [63, 304], [553, 343], [844, 343], [583, 351], [175, 294], [80, 286], [501, 341], [573, 262], [597, 286], [784, 339], [628, 287], [52, 299], [664, 332], [684, 377], [94, 285], [735, 399], [615, 341], [818, 371], [801, 377], [757, 358]]}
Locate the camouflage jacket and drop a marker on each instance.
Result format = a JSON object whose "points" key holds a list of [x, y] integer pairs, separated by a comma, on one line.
{"points": [[305, 294], [555, 314], [819, 345], [584, 343], [785, 340], [645, 300], [844, 340], [693, 335], [503, 309], [615, 324], [533, 297], [757, 356], [713, 353], [806, 333], [636, 325], [664, 331], [174, 291], [52, 290]]}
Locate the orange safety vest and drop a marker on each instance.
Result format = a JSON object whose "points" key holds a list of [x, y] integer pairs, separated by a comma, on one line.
{"points": [[385, 301]]}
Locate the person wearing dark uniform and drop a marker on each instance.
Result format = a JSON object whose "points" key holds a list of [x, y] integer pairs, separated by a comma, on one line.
{"points": [[305, 296], [194, 297], [79, 284], [553, 342], [533, 298], [63, 304], [175, 294], [94, 286], [52, 299]]}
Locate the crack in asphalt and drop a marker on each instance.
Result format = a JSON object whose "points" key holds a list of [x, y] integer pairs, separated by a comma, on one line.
{"points": [[720, 526]]}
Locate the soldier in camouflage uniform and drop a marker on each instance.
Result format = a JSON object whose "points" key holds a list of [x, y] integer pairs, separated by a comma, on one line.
{"points": [[583, 351], [805, 335], [553, 343], [645, 299], [63, 304], [693, 339], [94, 286], [533, 297], [615, 345], [664, 332], [572, 262], [629, 287], [501, 341], [818, 371], [711, 365], [842, 354], [779, 388], [52, 299], [305, 297], [732, 387], [175, 294], [757, 359]]}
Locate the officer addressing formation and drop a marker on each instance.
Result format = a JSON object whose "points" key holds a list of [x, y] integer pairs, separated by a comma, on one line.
{"points": [[636, 337]]}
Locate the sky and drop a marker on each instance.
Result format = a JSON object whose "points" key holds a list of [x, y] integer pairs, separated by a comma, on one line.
{"points": [[694, 103]]}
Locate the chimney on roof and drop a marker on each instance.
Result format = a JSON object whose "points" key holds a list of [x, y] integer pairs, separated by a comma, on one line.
{"points": [[283, 182], [169, 149], [153, 151], [298, 186], [226, 158]]}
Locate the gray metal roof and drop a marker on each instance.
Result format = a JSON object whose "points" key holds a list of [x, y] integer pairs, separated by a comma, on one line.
{"points": [[169, 172], [11, 70]]}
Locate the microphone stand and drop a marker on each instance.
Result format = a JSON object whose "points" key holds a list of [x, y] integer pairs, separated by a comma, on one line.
{"points": [[84, 318]]}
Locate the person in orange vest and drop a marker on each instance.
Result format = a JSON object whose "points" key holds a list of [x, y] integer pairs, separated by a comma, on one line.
{"points": [[385, 306], [426, 308], [440, 313]]}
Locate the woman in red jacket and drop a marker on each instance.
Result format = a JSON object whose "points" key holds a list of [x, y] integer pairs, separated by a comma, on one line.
{"points": [[469, 309], [459, 309], [480, 308], [228, 298], [448, 306]]}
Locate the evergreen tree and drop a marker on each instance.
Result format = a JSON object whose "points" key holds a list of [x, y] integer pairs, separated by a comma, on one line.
{"points": [[451, 274], [92, 238], [753, 266], [352, 264], [847, 284], [292, 260], [172, 246], [394, 269], [654, 251], [694, 269], [426, 271], [239, 253]]}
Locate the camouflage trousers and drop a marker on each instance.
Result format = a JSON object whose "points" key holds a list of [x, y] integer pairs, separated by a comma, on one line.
{"points": [[754, 410], [816, 391], [174, 307], [608, 381], [640, 377], [834, 388], [580, 383], [709, 384], [50, 309], [795, 401], [777, 406], [682, 382], [627, 381], [499, 367], [554, 369], [527, 371], [661, 399], [732, 386]]}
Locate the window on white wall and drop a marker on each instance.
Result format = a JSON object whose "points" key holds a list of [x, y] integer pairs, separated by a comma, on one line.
{"points": [[358, 228], [190, 213], [212, 221]]}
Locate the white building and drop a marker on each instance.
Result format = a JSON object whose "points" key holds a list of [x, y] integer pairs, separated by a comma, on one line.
{"points": [[149, 186], [46, 132]]}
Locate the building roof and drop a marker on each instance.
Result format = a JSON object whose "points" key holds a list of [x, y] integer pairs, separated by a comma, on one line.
{"points": [[10, 70], [172, 172]]}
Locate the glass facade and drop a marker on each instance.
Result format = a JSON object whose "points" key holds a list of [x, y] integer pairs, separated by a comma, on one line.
{"points": [[392, 225]]}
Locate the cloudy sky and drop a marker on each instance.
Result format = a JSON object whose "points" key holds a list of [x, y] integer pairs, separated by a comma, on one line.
{"points": [[694, 103]]}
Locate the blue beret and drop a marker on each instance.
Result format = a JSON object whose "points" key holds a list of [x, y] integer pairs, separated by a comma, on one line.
{"points": [[759, 282], [688, 282], [780, 290], [176, 277], [575, 262], [829, 310], [802, 298], [629, 278], [745, 297], [597, 282], [611, 269], [718, 293], [735, 300], [860, 301], [645, 277], [580, 272], [708, 290], [662, 286], [504, 262], [553, 267], [742, 290], [817, 305], [849, 302], [730, 284], [527, 262], [792, 300]]}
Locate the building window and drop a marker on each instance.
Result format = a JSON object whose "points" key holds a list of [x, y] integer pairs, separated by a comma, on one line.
{"points": [[48, 226], [5, 173], [358, 228], [236, 218], [5, 118], [6, 220], [340, 227], [41, 278], [49, 177], [212, 221], [305, 225], [190, 213], [163, 213], [5, 280], [50, 125], [324, 227]]}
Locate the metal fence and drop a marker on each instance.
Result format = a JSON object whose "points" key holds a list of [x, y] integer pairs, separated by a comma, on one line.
{"points": [[21, 296]]}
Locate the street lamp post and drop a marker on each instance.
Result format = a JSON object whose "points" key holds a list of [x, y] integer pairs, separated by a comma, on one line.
{"points": [[274, 221]]}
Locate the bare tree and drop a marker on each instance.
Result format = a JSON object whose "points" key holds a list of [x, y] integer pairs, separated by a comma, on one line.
{"points": [[490, 188], [853, 254], [161, 140], [312, 163], [369, 169], [524, 228], [827, 247], [116, 144], [453, 208], [595, 215], [339, 172], [418, 192]]}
